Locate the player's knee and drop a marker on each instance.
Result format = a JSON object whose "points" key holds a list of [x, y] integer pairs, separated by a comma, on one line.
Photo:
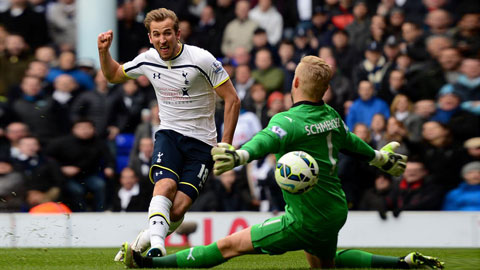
{"points": [[165, 187]]}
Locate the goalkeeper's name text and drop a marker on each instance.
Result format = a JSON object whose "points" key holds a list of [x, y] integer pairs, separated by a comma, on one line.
{"points": [[322, 126]]}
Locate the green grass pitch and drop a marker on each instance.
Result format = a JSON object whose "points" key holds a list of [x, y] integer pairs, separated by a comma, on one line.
{"points": [[102, 258]]}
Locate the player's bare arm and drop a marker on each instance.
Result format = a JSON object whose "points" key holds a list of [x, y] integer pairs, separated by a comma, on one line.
{"points": [[232, 108], [111, 69]]}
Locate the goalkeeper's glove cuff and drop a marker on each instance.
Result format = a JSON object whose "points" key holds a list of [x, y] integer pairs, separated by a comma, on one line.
{"points": [[379, 160], [243, 157]]}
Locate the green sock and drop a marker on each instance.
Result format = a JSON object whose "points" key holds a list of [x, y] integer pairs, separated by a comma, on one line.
{"points": [[354, 258], [195, 257]]}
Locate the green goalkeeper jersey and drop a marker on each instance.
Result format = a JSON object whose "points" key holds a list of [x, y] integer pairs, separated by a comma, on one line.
{"points": [[317, 129]]}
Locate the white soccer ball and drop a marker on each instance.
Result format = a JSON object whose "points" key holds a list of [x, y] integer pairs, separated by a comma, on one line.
{"points": [[296, 172]]}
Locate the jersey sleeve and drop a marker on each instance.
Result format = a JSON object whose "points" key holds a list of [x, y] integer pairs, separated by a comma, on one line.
{"points": [[269, 140], [356, 147], [213, 70], [133, 69]]}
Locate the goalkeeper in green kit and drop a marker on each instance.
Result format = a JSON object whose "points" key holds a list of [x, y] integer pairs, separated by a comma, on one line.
{"points": [[313, 219]]}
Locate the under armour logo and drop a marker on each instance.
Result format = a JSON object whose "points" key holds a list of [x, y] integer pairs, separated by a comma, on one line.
{"points": [[184, 74], [185, 92], [158, 173], [190, 255], [156, 75], [159, 157], [159, 222]]}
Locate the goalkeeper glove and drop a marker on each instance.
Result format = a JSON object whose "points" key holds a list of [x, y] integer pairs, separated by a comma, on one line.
{"points": [[227, 158], [389, 161]]}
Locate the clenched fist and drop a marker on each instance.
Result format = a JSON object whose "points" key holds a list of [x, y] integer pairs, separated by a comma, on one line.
{"points": [[104, 41]]}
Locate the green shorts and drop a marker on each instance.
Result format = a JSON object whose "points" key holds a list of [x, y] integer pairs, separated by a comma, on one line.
{"points": [[280, 234]]}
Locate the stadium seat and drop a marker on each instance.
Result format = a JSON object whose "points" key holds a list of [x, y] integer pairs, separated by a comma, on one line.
{"points": [[124, 143]]}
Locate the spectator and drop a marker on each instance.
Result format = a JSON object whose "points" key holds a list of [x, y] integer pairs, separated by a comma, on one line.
{"points": [[21, 19], [301, 41], [242, 57], [42, 175], [131, 34], [186, 32], [67, 65], [36, 110], [127, 106], [239, 32], [472, 146], [375, 198], [373, 68], [396, 85], [233, 191], [442, 156], [467, 34], [286, 51], [270, 76], [268, 18], [130, 197], [79, 155], [47, 55], [275, 104], [428, 82], [13, 133], [466, 197], [256, 102], [378, 128], [361, 22], [322, 26], [467, 85], [65, 91], [366, 106], [402, 109], [414, 41], [345, 54], [438, 22], [248, 125], [13, 63], [463, 124], [12, 187], [146, 129], [243, 80], [415, 191], [61, 24], [391, 50], [98, 105], [396, 18], [395, 131], [350, 168], [340, 87], [260, 41], [208, 33], [140, 163]]}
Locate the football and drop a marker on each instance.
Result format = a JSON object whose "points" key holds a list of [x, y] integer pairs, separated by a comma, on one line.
{"points": [[296, 172]]}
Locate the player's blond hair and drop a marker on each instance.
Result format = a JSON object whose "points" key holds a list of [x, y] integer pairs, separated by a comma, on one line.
{"points": [[314, 75], [161, 14]]}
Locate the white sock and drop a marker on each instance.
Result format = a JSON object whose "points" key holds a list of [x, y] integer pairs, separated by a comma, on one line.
{"points": [[159, 219]]}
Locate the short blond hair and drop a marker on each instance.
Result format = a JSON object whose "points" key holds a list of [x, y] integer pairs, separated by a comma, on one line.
{"points": [[161, 14], [314, 75]]}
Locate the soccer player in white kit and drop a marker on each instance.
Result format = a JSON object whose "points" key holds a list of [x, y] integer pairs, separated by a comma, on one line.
{"points": [[185, 79]]}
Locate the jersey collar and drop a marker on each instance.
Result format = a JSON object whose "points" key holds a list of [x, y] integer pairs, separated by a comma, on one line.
{"points": [[179, 52], [320, 103]]}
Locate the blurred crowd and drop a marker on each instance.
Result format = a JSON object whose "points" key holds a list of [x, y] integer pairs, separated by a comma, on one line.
{"points": [[404, 70]]}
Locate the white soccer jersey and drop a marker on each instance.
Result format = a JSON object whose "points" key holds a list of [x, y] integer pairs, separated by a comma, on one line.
{"points": [[184, 87]]}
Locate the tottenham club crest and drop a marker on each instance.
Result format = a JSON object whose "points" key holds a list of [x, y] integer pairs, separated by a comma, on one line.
{"points": [[184, 74]]}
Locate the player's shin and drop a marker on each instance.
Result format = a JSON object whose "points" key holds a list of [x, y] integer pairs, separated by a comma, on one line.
{"points": [[195, 257], [159, 221], [354, 258]]}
